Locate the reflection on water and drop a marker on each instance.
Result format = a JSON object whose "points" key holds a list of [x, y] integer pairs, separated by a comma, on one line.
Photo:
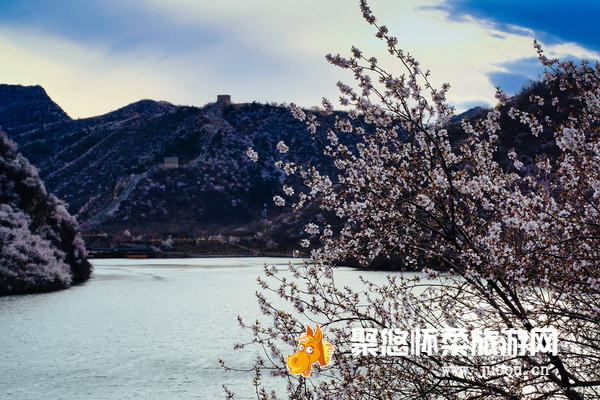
{"points": [[148, 329]]}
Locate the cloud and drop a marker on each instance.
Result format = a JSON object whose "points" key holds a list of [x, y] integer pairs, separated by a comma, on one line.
{"points": [[180, 51], [84, 81], [95, 56], [116, 25], [514, 74], [551, 21]]}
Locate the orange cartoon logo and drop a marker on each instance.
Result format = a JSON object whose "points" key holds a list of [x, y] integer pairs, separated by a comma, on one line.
{"points": [[312, 348]]}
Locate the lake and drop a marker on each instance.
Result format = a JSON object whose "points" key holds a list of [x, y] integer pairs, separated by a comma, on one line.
{"points": [[139, 329]]}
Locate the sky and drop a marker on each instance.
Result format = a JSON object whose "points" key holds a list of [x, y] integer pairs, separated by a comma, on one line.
{"points": [[95, 56]]}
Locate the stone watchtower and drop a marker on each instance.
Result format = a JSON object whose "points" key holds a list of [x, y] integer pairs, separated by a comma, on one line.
{"points": [[171, 162], [224, 99]]}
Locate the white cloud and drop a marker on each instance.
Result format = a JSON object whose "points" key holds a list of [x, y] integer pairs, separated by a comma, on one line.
{"points": [[264, 50], [82, 80]]}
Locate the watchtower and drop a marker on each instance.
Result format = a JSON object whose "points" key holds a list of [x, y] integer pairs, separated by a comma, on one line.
{"points": [[171, 162], [224, 99]]}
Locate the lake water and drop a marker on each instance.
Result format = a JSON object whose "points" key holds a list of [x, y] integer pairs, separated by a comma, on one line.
{"points": [[139, 329]]}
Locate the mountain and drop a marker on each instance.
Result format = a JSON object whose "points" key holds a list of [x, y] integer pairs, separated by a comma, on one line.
{"points": [[40, 246], [152, 169], [111, 169], [26, 108]]}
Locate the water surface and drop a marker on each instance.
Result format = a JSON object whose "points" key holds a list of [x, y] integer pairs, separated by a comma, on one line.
{"points": [[148, 329], [139, 329]]}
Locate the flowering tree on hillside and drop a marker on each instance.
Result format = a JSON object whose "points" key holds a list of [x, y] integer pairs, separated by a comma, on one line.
{"points": [[510, 250], [41, 248]]}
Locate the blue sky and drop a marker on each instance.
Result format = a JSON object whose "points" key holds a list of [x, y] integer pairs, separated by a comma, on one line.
{"points": [[552, 21], [95, 56]]}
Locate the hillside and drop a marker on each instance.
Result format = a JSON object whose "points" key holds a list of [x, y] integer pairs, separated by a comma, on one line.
{"points": [[111, 169], [40, 246], [27, 108]]}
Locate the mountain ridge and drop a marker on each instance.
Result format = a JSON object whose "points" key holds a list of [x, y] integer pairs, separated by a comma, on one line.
{"points": [[111, 168], [28, 108]]}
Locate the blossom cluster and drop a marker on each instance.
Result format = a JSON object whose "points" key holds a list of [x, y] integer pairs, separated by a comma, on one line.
{"points": [[504, 240]]}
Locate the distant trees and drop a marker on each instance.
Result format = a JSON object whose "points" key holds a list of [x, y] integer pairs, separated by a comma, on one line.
{"points": [[40, 246], [509, 245]]}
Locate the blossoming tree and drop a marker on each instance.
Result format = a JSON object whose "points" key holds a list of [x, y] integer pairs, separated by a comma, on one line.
{"points": [[507, 249], [41, 248]]}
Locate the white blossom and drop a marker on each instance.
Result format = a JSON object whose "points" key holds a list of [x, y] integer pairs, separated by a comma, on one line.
{"points": [[279, 201], [312, 229], [282, 148], [252, 155], [288, 190]]}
